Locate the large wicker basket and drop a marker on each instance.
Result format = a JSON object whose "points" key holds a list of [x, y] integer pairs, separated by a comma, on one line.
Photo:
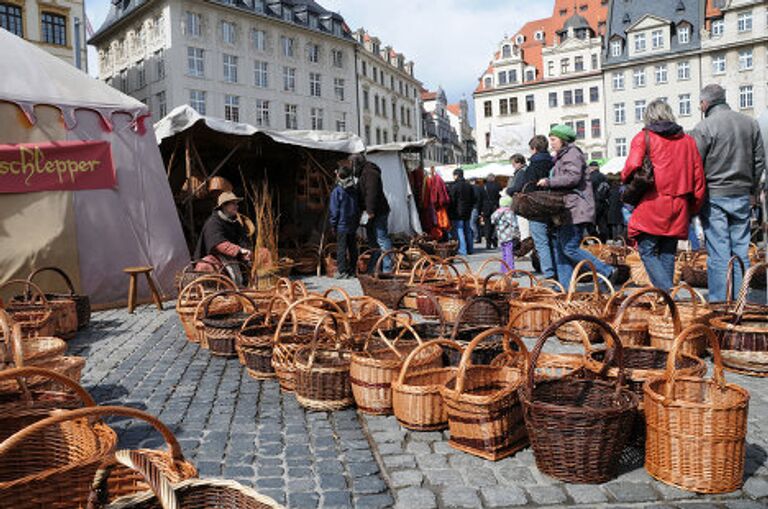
{"points": [[696, 428], [663, 330], [82, 302], [575, 302], [34, 313], [385, 287], [221, 328], [193, 294], [531, 325], [254, 341]]}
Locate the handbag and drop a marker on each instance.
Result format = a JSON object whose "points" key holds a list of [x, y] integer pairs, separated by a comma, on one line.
{"points": [[642, 180], [543, 206]]}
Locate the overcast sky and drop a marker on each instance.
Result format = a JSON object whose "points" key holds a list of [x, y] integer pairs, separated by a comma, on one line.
{"points": [[451, 41]]}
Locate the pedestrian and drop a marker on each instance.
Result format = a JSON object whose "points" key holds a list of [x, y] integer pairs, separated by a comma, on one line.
{"points": [[569, 174], [664, 213], [375, 207], [731, 148], [602, 191], [615, 216], [538, 168], [477, 211], [344, 216], [507, 231], [492, 194], [515, 183], [462, 203]]}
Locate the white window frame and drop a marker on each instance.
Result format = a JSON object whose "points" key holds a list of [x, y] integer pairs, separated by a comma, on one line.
{"points": [[230, 68], [657, 39], [315, 84], [262, 113], [684, 34], [619, 80], [621, 147], [195, 62], [718, 27], [288, 46], [746, 97], [641, 42], [337, 58], [746, 60], [684, 105], [232, 108], [291, 116], [339, 88], [259, 38], [316, 119], [197, 99], [616, 48], [639, 78], [162, 104], [289, 79], [661, 73], [228, 32], [619, 113], [194, 24], [744, 22], [719, 64], [261, 74], [313, 53], [684, 70], [141, 74], [341, 122], [640, 106]]}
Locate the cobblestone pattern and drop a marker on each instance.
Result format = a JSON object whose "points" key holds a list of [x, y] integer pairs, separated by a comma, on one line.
{"points": [[228, 424]]}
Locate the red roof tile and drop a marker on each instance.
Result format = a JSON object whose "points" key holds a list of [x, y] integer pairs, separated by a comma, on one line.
{"points": [[455, 109]]}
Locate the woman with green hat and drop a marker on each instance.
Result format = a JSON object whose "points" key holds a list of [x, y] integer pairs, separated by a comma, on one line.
{"points": [[570, 174]]}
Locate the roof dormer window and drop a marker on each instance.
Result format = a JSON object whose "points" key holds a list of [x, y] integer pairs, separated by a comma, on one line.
{"points": [[520, 39], [506, 51], [616, 48], [684, 33], [539, 36]]}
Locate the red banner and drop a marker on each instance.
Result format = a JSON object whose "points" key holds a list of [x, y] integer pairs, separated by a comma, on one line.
{"points": [[57, 166]]}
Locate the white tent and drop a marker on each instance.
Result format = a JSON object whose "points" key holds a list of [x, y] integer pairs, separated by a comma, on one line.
{"points": [[614, 165], [404, 215], [91, 234]]}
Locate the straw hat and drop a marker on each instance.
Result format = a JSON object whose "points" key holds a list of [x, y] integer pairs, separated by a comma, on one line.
{"points": [[227, 197]]}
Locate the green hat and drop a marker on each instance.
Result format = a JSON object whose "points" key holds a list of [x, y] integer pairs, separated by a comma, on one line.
{"points": [[564, 132], [506, 201]]}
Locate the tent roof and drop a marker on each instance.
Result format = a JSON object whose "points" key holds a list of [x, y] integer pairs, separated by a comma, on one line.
{"points": [[32, 76], [400, 146], [184, 117]]}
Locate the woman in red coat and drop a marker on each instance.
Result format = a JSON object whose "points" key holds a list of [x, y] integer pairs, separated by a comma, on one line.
{"points": [[664, 213]]}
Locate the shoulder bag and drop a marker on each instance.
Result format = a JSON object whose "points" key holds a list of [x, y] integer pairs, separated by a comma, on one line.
{"points": [[642, 180]]}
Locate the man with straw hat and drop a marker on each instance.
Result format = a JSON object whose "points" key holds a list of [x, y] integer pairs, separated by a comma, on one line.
{"points": [[224, 240]]}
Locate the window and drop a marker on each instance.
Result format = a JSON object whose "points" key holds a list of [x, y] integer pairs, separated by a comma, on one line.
{"points": [[376, 106], [684, 34], [341, 122], [639, 43], [338, 88], [657, 39], [261, 74], [488, 83], [313, 53], [746, 98], [141, 75], [578, 96], [512, 75], [565, 65], [638, 78], [621, 147], [197, 100], [551, 68], [367, 135], [259, 40], [718, 27], [262, 113], [745, 59], [502, 79], [159, 65], [530, 104], [660, 71], [230, 68], [384, 107], [513, 105], [684, 70], [619, 113], [553, 99], [162, 105], [316, 119], [718, 64], [639, 110], [596, 131], [378, 136], [684, 105], [228, 32], [594, 94], [195, 66], [618, 81], [744, 22], [539, 35], [616, 48], [337, 57], [194, 25], [232, 108], [366, 100], [506, 51], [385, 134], [595, 61], [314, 84], [291, 116], [503, 106], [11, 20], [54, 29], [289, 79], [488, 109], [581, 130], [578, 64], [287, 43]]}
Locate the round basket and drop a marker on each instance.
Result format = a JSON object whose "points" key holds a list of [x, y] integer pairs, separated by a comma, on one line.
{"points": [[630, 316], [193, 294], [693, 269], [28, 351], [385, 287], [637, 269], [34, 313], [254, 340], [220, 328], [531, 325], [592, 245], [663, 330], [477, 315], [578, 427], [485, 417], [190, 273], [696, 428], [575, 302], [82, 303]]}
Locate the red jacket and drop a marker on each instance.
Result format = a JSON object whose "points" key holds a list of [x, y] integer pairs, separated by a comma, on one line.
{"points": [[680, 185]]}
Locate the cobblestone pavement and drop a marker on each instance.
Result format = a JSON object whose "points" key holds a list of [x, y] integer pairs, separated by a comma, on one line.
{"points": [[232, 426]]}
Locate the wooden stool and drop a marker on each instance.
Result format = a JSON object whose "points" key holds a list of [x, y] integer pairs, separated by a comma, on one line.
{"points": [[134, 272]]}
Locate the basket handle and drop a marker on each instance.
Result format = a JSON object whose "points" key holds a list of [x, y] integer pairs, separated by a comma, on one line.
{"points": [[58, 271], [520, 272], [412, 356], [316, 336], [493, 259], [576, 277], [668, 300], [454, 260], [741, 303], [94, 413], [466, 357], [405, 324], [696, 298], [487, 279], [540, 306], [240, 296], [469, 305], [6, 326], [590, 240], [546, 283], [428, 295], [299, 290], [729, 277], [267, 319], [419, 266], [192, 264], [616, 352], [20, 373], [675, 353], [197, 283], [29, 288], [367, 305], [384, 254], [344, 296], [284, 283], [445, 270]]}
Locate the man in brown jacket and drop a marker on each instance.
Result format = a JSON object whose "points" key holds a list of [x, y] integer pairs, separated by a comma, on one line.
{"points": [[374, 203]]}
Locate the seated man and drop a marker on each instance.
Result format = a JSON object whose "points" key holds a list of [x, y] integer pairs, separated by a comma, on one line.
{"points": [[224, 241]]}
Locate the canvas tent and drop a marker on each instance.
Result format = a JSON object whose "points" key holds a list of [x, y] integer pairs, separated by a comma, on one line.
{"points": [[92, 234]]}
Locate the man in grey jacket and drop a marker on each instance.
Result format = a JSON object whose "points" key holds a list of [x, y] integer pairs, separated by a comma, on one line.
{"points": [[731, 147]]}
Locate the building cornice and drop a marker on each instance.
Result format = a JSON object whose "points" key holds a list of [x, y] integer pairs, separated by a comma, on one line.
{"points": [[541, 83]]}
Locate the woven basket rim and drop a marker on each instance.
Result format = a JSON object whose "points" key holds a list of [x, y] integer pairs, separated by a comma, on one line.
{"points": [[649, 391]]}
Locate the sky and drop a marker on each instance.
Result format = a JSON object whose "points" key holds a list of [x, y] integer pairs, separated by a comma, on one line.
{"points": [[450, 41]]}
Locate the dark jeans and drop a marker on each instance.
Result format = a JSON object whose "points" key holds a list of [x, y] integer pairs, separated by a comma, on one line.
{"points": [[658, 255], [568, 253], [346, 253], [491, 242]]}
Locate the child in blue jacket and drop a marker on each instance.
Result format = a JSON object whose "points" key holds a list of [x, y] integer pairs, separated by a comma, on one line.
{"points": [[344, 215]]}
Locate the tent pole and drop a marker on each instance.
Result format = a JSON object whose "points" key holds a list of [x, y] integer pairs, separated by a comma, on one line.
{"points": [[215, 171], [172, 159]]}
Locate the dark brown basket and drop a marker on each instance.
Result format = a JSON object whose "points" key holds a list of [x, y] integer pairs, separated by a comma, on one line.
{"points": [[82, 302], [477, 315], [578, 427], [221, 329], [386, 287], [190, 273], [542, 206], [254, 341]]}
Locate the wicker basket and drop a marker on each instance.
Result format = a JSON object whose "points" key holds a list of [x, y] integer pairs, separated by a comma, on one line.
{"points": [[28, 351], [416, 399], [254, 340], [663, 329], [532, 324], [485, 417], [192, 295], [693, 269], [593, 246], [591, 304], [478, 314], [578, 427], [82, 302], [696, 428], [221, 328], [34, 314], [362, 313], [385, 287], [637, 269], [189, 273], [632, 316]]}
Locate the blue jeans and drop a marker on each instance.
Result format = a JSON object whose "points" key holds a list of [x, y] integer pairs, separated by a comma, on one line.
{"points": [[542, 241], [726, 228], [463, 234], [568, 253], [376, 231], [473, 224], [658, 255]]}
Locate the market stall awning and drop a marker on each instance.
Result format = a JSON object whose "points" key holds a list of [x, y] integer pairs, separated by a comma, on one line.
{"points": [[403, 146], [477, 171], [185, 117]]}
